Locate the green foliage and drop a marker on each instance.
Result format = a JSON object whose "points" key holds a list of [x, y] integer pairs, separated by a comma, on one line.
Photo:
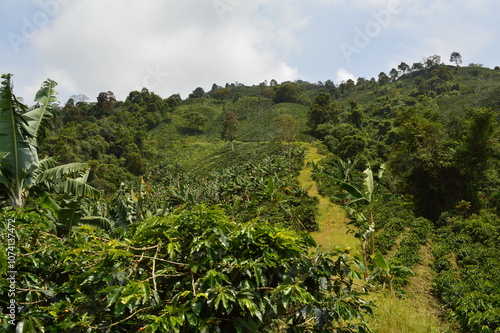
{"points": [[387, 274], [193, 270], [287, 93], [195, 121], [22, 132], [267, 190], [434, 125], [322, 111], [466, 260], [230, 127]]}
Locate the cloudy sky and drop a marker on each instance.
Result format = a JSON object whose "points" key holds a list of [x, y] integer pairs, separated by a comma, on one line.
{"points": [[174, 46]]}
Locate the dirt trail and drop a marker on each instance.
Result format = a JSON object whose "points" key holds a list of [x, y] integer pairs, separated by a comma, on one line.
{"points": [[331, 218]]}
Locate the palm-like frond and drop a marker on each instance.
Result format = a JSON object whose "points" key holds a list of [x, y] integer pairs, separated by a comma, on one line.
{"points": [[41, 118], [69, 178], [50, 172], [98, 221], [74, 187], [369, 184], [355, 194], [15, 139], [3, 178]]}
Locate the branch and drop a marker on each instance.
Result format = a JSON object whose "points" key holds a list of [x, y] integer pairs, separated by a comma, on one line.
{"points": [[121, 321], [167, 261], [153, 269]]}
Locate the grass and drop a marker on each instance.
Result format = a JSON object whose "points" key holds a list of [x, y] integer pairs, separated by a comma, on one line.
{"points": [[331, 218], [418, 312], [403, 315]]}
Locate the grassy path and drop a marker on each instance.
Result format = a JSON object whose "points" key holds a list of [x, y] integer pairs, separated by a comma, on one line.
{"points": [[331, 218], [416, 313]]}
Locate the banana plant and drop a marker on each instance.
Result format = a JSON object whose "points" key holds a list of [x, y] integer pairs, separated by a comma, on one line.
{"points": [[358, 196], [21, 134], [385, 273]]}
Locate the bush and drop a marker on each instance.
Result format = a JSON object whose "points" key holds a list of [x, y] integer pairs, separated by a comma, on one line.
{"points": [[193, 270]]}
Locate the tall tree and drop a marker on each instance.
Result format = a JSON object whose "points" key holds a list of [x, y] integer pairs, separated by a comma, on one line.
{"points": [[231, 127], [322, 111], [417, 66], [195, 121], [105, 105], [287, 93], [383, 78], [477, 152], [433, 61], [356, 115], [288, 128], [197, 93], [404, 67], [456, 58], [394, 74]]}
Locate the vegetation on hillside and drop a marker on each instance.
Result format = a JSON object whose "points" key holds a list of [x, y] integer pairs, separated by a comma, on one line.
{"points": [[167, 215]]}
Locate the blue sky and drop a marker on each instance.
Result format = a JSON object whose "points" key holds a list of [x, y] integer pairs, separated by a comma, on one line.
{"points": [[90, 46]]}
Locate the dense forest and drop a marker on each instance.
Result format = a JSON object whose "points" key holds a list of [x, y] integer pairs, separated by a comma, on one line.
{"points": [[163, 214]]}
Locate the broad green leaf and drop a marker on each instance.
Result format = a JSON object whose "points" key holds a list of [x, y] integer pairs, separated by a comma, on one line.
{"points": [[369, 185], [74, 187], [197, 307], [15, 137], [97, 221], [380, 262], [146, 291], [41, 118], [50, 171], [192, 319], [114, 294], [352, 190]]}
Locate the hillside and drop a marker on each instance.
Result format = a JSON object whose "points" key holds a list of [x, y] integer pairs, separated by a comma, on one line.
{"points": [[217, 202]]}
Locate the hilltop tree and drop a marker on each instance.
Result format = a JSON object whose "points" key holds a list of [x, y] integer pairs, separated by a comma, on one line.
{"points": [[350, 87], [394, 74], [287, 93], [105, 105], [230, 127], [417, 66], [456, 58], [221, 94], [403, 67], [383, 78], [433, 61], [322, 111], [197, 93]]}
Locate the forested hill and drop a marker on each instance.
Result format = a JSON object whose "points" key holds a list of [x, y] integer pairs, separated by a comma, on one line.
{"points": [[434, 124], [163, 214]]}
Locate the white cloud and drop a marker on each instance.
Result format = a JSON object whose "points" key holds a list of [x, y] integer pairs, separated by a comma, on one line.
{"points": [[95, 46], [367, 5], [445, 27], [343, 75], [172, 46]]}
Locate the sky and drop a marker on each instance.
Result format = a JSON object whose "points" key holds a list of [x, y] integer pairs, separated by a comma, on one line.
{"points": [[174, 46]]}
